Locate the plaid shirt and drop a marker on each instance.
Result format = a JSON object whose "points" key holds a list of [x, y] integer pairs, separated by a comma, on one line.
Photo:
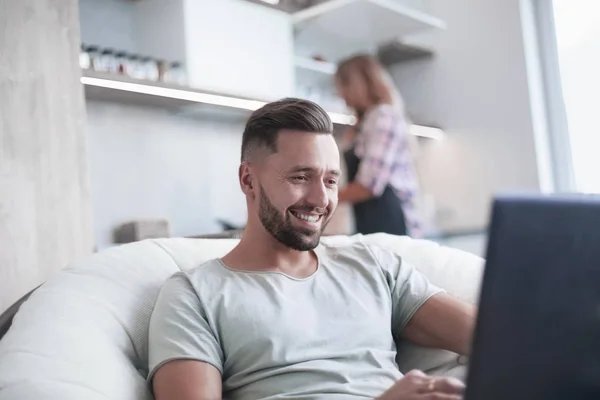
{"points": [[383, 147]]}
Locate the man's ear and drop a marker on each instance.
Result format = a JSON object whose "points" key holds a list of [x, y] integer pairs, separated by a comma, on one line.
{"points": [[246, 177]]}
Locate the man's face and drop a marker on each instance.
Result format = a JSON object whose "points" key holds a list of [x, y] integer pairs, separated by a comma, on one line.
{"points": [[299, 188]]}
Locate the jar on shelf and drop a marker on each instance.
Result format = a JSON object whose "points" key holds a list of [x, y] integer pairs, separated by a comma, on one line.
{"points": [[130, 65], [94, 55], [134, 69], [150, 68], [84, 57], [107, 61], [176, 74], [163, 70], [121, 62]]}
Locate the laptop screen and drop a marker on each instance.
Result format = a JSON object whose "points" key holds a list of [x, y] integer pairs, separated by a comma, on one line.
{"points": [[538, 331]]}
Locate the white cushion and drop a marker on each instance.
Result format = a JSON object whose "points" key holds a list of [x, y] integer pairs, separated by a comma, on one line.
{"points": [[83, 334]]}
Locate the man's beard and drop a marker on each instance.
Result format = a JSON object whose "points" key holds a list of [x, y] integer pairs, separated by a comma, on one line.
{"points": [[280, 226]]}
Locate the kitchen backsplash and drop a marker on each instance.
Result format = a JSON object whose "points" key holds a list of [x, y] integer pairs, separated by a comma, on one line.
{"points": [[151, 163]]}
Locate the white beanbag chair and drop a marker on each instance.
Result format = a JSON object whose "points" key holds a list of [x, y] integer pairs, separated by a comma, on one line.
{"points": [[84, 333]]}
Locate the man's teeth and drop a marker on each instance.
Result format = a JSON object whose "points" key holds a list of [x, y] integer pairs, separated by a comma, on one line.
{"points": [[309, 218]]}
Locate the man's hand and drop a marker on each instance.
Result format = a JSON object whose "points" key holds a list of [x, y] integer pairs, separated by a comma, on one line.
{"points": [[415, 385]]}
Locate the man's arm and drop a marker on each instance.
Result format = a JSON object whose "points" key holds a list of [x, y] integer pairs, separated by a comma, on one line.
{"points": [[184, 354], [442, 322], [187, 380]]}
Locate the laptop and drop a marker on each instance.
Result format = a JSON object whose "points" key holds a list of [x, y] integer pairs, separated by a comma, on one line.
{"points": [[537, 335]]}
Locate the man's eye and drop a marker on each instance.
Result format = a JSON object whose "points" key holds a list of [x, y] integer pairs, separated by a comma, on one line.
{"points": [[300, 178], [332, 182]]}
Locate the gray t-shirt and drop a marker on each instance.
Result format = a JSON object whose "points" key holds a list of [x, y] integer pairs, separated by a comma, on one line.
{"points": [[272, 336]]}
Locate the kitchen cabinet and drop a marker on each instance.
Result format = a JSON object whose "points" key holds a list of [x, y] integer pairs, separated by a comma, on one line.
{"points": [[228, 46], [336, 29], [332, 30]]}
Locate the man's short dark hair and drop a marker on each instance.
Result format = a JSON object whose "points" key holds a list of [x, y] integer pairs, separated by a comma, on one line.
{"points": [[265, 123]]}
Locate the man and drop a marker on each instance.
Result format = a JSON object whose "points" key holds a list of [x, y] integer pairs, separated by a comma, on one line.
{"points": [[283, 317]]}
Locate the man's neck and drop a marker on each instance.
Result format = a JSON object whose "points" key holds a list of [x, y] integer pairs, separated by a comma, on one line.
{"points": [[258, 250]]}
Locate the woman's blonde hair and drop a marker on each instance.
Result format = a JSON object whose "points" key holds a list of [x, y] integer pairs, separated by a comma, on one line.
{"points": [[380, 87]]}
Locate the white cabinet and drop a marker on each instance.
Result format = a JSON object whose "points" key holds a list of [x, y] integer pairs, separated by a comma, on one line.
{"points": [[339, 28], [333, 30], [228, 46], [235, 46], [158, 29]]}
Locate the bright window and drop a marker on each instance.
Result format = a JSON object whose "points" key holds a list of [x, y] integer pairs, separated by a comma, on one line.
{"points": [[578, 38]]}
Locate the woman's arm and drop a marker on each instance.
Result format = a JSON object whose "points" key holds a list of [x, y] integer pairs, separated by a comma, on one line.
{"points": [[354, 192], [383, 137]]}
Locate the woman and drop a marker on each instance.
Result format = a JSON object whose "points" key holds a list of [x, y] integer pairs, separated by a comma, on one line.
{"points": [[382, 181]]}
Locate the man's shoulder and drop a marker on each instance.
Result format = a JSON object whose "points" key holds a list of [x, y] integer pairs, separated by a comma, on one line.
{"points": [[358, 249], [208, 272], [208, 268]]}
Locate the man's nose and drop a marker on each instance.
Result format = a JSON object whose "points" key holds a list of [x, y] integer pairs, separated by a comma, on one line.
{"points": [[318, 196]]}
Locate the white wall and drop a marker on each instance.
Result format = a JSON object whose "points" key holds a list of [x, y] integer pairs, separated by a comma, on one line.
{"points": [[108, 23], [476, 89], [158, 29], [149, 163]]}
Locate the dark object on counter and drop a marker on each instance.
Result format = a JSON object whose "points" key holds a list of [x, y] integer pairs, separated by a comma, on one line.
{"points": [[142, 229], [232, 234], [227, 226]]}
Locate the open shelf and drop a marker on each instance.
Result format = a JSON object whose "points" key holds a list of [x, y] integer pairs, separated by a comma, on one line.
{"points": [[192, 102], [185, 100], [310, 71], [123, 89], [396, 52], [338, 28]]}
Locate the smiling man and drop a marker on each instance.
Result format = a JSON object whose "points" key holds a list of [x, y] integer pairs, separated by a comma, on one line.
{"points": [[284, 317]]}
